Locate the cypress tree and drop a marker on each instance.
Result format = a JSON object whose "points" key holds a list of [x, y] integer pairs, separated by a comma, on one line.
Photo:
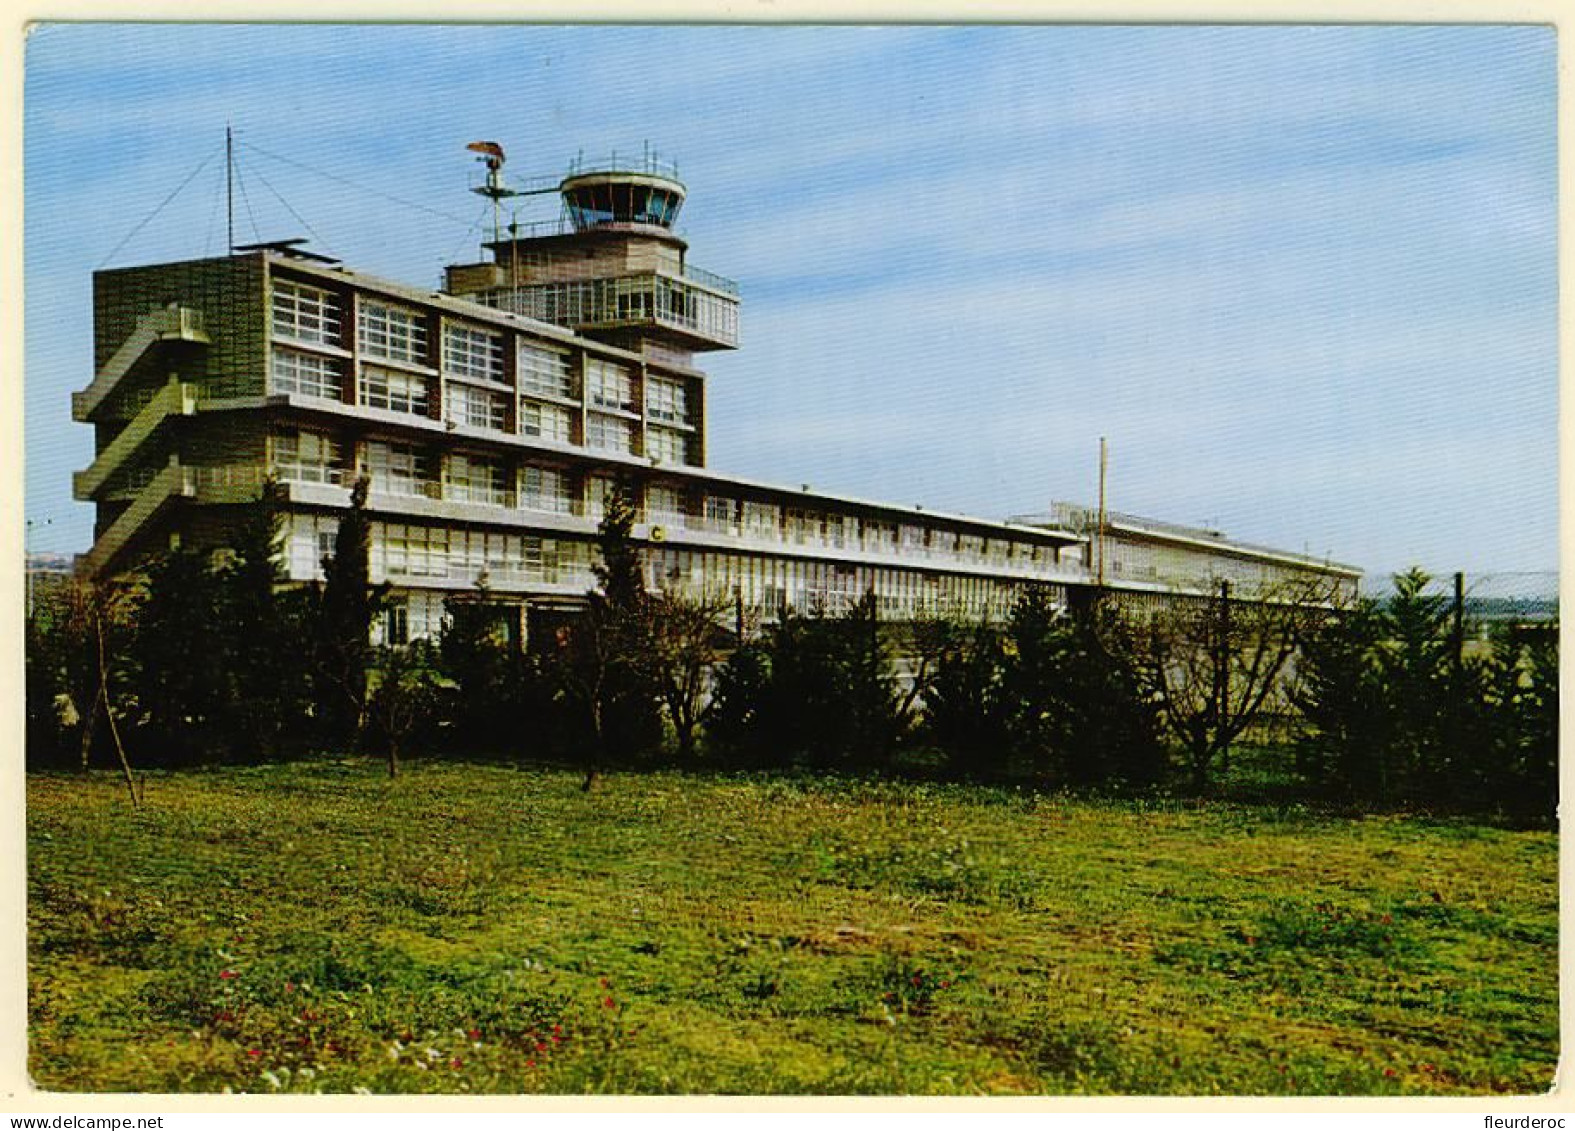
{"points": [[347, 604]]}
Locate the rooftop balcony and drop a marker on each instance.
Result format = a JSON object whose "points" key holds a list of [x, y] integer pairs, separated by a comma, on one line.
{"points": [[703, 316]]}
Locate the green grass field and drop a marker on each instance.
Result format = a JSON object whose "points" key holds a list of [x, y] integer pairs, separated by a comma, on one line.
{"points": [[485, 929]]}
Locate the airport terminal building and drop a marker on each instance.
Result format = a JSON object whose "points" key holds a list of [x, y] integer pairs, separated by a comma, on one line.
{"points": [[494, 416]]}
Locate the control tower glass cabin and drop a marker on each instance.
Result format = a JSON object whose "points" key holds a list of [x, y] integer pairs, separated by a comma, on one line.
{"points": [[611, 268]]}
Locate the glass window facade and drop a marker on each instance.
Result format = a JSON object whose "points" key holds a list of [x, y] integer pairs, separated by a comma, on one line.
{"points": [[609, 385], [546, 489], [305, 313], [308, 374], [478, 408], [544, 371], [401, 469], [394, 390], [666, 445], [609, 433], [471, 352], [667, 401], [393, 332], [469, 478], [303, 456], [546, 422]]}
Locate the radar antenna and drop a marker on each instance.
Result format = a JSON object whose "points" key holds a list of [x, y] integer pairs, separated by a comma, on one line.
{"points": [[490, 153]]}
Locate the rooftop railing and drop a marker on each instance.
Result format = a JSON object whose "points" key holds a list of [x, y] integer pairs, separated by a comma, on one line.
{"points": [[712, 280], [648, 162]]}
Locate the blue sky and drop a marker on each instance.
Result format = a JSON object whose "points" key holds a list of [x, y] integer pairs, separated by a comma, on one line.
{"points": [[1303, 279]]}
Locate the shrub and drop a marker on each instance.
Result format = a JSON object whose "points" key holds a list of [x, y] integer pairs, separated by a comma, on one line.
{"points": [[817, 689]]}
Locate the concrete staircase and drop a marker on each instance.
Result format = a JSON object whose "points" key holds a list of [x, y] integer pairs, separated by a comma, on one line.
{"points": [[174, 399], [172, 323]]}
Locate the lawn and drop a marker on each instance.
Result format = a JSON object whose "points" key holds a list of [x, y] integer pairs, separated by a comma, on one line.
{"points": [[472, 928]]}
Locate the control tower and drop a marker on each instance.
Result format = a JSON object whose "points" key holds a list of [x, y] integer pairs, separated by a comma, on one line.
{"points": [[611, 267]]}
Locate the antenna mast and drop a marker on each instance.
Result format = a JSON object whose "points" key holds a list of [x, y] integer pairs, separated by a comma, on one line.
{"points": [[491, 154]]}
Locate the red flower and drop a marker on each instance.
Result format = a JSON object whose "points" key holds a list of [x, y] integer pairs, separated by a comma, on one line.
{"points": [[541, 1046], [456, 1063], [228, 974], [289, 987], [254, 1052], [530, 1064], [557, 1028], [608, 1002], [475, 1034], [1389, 1072]]}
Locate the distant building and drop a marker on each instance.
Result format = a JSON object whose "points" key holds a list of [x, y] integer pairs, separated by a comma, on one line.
{"points": [[494, 416]]}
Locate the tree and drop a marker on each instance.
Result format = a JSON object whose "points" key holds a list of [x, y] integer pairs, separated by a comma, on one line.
{"points": [[1072, 691], [1110, 725], [816, 687], [403, 692], [1530, 697], [1416, 662], [967, 712], [1342, 694], [179, 654], [62, 673], [685, 643], [1031, 683], [264, 631], [741, 707], [474, 654], [929, 637], [602, 659], [1212, 663], [1397, 713], [346, 605], [81, 649]]}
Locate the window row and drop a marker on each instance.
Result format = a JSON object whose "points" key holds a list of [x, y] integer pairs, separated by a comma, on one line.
{"points": [[463, 556], [457, 557], [397, 468], [390, 332], [397, 390], [765, 584]]}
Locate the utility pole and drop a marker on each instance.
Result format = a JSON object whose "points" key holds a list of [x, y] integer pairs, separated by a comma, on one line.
{"points": [[1099, 533], [1458, 627], [229, 188], [27, 562]]}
